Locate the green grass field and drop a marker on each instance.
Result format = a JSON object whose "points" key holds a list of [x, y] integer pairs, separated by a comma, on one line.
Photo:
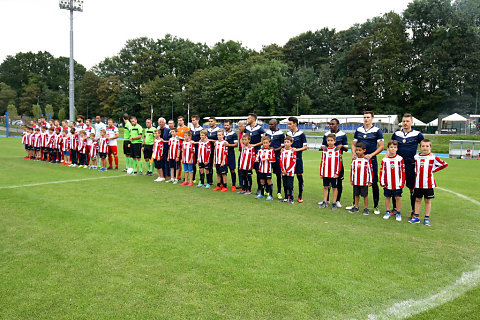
{"points": [[126, 247]]}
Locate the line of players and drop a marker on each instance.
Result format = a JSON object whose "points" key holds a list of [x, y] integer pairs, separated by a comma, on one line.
{"points": [[77, 145], [172, 150]]}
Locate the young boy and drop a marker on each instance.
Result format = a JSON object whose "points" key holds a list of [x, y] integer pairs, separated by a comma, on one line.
{"points": [[426, 163], [361, 177], [203, 158], [50, 143], [220, 161], [37, 144], [245, 165], [188, 151], [44, 143], [25, 141], [92, 152], [66, 147], [157, 155], [288, 162], [103, 149], [82, 149], [30, 149], [392, 178], [330, 170], [58, 144], [265, 157], [174, 145], [73, 147]]}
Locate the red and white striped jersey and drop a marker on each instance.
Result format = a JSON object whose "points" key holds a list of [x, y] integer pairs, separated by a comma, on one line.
{"points": [[188, 151], [30, 139], [246, 158], [58, 141], [158, 149], [82, 145], [93, 149], [74, 142], [111, 133], [361, 173], [288, 161], [65, 143], [25, 137], [392, 173], [37, 140], [425, 166], [221, 151], [49, 140], [204, 150], [331, 163], [174, 148], [265, 157], [103, 145], [44, 141]]}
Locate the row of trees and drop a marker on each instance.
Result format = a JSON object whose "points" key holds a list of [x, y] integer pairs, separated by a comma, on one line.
{"points": [[425, 61]]}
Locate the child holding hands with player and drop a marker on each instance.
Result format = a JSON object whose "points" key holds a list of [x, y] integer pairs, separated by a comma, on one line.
{"points": [[329, 171]]}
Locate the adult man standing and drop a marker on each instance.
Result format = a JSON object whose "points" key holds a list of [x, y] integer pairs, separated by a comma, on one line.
{"points": [[99, 125], [126, 142], [112, 135], [408, 140], [196, 129], [299, 145], [373, 139], [232, 140], [256, 132], [136, 132], [212, 136], [341, 143], [276, 142], [165, 134], [148, 141], [80, 125]]}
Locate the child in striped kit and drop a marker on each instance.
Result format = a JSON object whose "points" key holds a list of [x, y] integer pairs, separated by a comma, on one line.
{"points": [[265, 157], [329, 171], [245, 165], [288, 162], [392, 178], [92, 151], [361, 177]]}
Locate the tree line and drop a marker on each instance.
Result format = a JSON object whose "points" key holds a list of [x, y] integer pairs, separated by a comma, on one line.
{"points": [[424, 61]]}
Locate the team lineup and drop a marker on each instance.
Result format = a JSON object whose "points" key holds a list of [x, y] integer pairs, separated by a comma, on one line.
{"points": [[179, 150]]}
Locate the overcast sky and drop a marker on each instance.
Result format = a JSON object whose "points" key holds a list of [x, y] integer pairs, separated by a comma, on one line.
{"points": [[105, 25]]}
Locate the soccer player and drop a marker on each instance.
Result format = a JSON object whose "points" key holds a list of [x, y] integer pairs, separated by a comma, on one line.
{"points": [[165, 135], [112, 135], [181, 128], [73, 147], [241, 129], [265, 157], [80, 125], [93, 152], [158, 155], [195, 129], [43, 140], [232, 142], [99, 125], [372, 137], [89, 129], [256, 132], [288, 160], [174, 145], [426, 164], [188, 152], [58, 144], [66, 144], [299, 145], [212, 136], [49, 138], [37, 144], [245, 165], [103, 149], [136, 132], [126, 142], [148, 141], [276, 142], [330, 168], [408, 141], [341, 143], [361, 177], [220, 161], [82, 149], [25, 141], [203, 158], [392, 179]]}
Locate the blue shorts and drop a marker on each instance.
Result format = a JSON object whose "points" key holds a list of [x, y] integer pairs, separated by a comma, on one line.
{"points": [[188, 167], [299, 166], [410, 174], [387, 193], [66, 153], [231, 160], [330, 182]]}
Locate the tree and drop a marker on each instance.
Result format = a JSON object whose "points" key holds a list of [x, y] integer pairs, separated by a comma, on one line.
{"points": [[49, 111], [31, 95], [36, 111], [12, 111], [7, 96], [61, 114], [159, 94]]}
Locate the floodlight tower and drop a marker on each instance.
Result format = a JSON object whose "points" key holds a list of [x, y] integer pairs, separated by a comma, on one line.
{"points": [[71, 5]]}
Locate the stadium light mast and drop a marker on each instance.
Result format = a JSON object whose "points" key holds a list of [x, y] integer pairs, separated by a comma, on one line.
{"points": [[71, 5]]}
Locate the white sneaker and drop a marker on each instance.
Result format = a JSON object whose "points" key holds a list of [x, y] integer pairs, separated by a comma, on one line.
{"points": [[376, 211], [162, 179], [349, 208], [175, 181], [170, 180], [339, 205], [157, 180]]}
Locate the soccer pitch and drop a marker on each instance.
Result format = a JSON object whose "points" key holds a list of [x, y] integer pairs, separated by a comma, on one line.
{"points": [[77, 243]]}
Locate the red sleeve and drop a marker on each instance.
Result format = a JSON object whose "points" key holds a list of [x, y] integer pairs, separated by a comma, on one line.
{"points": [[439, 164], [402, 172]]}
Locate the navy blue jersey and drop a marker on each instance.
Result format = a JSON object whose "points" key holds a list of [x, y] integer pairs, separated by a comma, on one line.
{"points": [[256, 134], [340, 138], [166, 135], [276, 138], [231, 137], [212, 133], [407, 143], [196, 133], [299, 140], [371, 137]]}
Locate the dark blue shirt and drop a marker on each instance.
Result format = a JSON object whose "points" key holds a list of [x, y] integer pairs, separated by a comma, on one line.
{"points": [[231, 137], [276, 138], [196, 133], [371, 137], [299, 140], [407, 143], [166, 135], [256, 134], [340, 138]]}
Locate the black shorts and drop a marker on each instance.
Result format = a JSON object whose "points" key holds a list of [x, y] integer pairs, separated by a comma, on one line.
{"points": [[173, 164], [299, 165], [103, 155], [203, 165], [330, 182], [221, 169], [147, 151], [136, 150], [26, 146], [410, 174], [427, 193], [126, 147], [360, 191], [231, 160], [276, 165], [158, 164], [387, 193], [265, 176], [36, 148]]}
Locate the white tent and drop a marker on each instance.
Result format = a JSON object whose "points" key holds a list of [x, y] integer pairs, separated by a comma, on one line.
{"points": [[433, 123], [319, 119], [455, 117], [418, 123]]}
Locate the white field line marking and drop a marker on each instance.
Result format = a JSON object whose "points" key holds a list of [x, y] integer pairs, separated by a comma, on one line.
{"points": [[61, 181], [461, 196], [411, 307]]}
